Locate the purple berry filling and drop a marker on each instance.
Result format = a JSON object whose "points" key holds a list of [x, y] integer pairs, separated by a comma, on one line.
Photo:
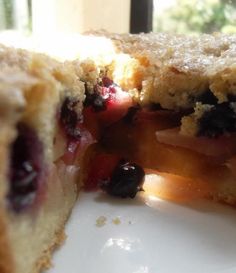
{"points": [[102, 93], [69, 118], [97, 102], [217, 121], [107, 82], [26, 167]]}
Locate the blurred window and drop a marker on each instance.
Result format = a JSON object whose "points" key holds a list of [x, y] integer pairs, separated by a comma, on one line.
{"points": [[15, 14], [195, 16], [174, 16]]}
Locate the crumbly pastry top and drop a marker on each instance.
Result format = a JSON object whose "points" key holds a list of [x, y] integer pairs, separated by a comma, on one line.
{"points": [[12, 101], [179, 50], [43, 83], [44, 68], [172, 69]]}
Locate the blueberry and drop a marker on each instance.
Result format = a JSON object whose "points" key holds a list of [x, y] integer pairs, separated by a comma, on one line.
{"points": [[131, 113], [101, 94], [99, 103], [24, 178], [26, 166], [125, 181], [217, 121], [231, 98], [96, 101], [69, 118], [20, 202], [155, 106], [207, 98], [107, 82]]}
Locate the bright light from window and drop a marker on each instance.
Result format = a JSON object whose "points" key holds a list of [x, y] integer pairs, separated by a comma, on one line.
{"points": [[194, 17]]}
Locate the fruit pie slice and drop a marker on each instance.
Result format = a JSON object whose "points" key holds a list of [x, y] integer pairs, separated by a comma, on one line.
{"points": [[176, 118]]}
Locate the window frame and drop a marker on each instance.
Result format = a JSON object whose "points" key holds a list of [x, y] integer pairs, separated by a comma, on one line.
{"points": [[141, 16]]}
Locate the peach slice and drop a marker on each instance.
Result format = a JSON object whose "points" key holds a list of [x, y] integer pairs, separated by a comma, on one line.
{"points": [[176, 188]]}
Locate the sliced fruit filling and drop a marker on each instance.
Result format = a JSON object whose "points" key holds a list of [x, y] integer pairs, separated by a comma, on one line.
{"points": [[73, 138], [26, 169], [151, 137], [27, 165], [131, 140], [176, 188], [69, 118], [105, 105]]}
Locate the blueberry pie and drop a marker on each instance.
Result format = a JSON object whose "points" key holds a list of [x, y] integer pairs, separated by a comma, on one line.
{"points": [[181, 124], [154, 113], [42, 142]]}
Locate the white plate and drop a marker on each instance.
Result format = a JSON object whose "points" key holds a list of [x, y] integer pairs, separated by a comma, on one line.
{"points": [[149, 236]]}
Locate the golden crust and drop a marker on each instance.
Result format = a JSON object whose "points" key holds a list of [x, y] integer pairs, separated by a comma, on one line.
{"points": [[189, 124], [164, 69], [32, 89], [170, 69], [10, 111], [222, 78], [64, 76], [44, 83], [44, 262], [6, 259]]}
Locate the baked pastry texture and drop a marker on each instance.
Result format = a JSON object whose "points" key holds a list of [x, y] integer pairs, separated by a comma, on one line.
{"points": [[41, 103], [154, 104], [183, 119], [174, 71]]}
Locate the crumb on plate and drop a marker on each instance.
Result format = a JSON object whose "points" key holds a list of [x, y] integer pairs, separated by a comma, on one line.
{"points": [[116, 221], [101, 221]]}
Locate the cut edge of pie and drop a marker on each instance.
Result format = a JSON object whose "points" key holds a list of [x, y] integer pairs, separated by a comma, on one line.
{"points": [[157, 103]]}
